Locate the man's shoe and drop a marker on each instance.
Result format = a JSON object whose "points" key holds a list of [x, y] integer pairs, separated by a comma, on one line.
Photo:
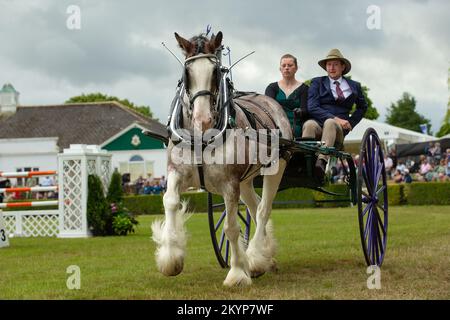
{"points": [[319, 170]]}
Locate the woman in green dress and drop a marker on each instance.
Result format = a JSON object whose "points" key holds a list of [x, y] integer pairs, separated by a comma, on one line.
{"points": [[290, 93]]}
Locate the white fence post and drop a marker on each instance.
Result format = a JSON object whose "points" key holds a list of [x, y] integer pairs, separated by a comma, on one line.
{"points": [[4, 240], [74, 166], [18, 220]]}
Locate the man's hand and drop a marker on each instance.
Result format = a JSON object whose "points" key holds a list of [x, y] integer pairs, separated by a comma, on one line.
{"points": [[343, 123]]}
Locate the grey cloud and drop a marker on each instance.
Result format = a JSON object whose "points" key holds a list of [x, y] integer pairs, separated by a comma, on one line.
{"points": [[412, 43]]}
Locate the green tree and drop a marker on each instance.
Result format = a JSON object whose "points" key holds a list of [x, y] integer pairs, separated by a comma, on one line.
{"points": [[100, 97], [403, 114], [99, 214], [115, 192], [445, 128], [372, 112]]}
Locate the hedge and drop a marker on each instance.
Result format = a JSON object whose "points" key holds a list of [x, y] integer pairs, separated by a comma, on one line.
{"points": [[416, 193], [427, 193], [396, 194]]}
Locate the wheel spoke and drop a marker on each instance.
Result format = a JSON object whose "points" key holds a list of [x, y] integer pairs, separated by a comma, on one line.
{"points": [[380, 242], [380, 222], [373, 242], [365, 161], [372, 156], [227, 251], [366, 180], [224, 213], [378, 175], [381, 208], [247, 226], [222, 238], [369, 246], [367, 208], [380, 190], [376, 236], [243, 219], [379, 239], [366, 171], [368, 223]]}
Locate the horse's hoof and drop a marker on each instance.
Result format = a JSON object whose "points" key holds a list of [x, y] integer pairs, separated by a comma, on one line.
{"points": [[172, 272], [171, 269], [237, 278], [274, 267]]}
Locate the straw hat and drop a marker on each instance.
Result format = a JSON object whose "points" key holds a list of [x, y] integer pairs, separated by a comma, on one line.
{"points": [[335, 54]]}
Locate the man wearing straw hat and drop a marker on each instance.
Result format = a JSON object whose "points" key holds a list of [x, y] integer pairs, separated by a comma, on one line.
{"points": [[330, 100]]}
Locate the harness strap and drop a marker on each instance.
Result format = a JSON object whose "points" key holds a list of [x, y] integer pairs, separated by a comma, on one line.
{"points": [[202, 176], [249, 115], [265, 111], [199, 94]]}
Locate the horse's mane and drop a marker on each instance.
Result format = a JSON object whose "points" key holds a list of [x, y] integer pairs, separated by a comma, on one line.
{"points": [[199, 42]]}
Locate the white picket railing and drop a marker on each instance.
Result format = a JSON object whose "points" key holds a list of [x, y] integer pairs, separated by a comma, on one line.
{"points": [[30, 223]]}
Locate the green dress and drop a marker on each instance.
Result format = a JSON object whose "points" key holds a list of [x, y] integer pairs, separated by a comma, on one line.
{"points": [[297, 99]]}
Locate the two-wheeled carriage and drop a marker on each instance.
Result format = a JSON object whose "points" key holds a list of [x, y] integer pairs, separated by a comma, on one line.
{"points": [[366, 187]]}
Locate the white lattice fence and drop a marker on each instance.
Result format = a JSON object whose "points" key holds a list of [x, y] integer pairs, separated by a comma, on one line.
{"points": [[70, 220], [10, 223], [105, 172], [42, 223], [72, 195]]}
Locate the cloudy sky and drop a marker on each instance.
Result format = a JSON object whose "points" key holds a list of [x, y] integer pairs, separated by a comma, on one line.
{"points": [[117, 49]]}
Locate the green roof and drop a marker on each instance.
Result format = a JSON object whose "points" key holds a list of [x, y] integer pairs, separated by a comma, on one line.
{"points": [[8, 88]]}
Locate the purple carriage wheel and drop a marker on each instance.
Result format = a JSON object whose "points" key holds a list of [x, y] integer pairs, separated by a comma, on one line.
{"points": [[372, 199], [216, 218]]}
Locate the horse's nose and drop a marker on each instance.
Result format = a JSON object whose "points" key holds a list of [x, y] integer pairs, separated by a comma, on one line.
{"points": [[204, 123], [207, 124]]}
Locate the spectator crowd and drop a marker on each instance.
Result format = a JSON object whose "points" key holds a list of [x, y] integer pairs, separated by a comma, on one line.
{"points": [[142, 186], [432, 165]]}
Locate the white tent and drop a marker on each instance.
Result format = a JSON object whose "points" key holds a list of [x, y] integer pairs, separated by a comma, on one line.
{"points": [[389, 135]]}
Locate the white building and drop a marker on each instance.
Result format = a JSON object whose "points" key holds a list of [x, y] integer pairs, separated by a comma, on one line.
{"points": [[32, 136]]}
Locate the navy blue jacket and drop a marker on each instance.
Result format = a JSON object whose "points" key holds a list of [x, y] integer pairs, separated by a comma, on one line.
{"points": [[323, 106]]}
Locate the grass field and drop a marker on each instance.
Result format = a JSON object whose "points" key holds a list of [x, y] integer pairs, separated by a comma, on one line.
{"points": [[319, 257]]}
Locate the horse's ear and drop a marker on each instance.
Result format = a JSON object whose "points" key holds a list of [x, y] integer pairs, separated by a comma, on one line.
{"points": [[184, 44], [215, 42]]}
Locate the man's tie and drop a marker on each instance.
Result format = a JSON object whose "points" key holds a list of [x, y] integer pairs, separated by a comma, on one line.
{"points": [[339, 92]]}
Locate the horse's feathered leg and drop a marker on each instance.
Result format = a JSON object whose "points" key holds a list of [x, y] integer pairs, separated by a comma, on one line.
{"points": [[170, 235], [250, 197], [262, 247], [239, 272]]}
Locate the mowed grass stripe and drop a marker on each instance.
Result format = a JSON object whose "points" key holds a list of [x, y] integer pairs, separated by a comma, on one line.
{"points": [[319, 257]]}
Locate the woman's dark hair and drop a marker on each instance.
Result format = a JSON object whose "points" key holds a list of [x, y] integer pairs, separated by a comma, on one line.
{"points": [[289, 56]]}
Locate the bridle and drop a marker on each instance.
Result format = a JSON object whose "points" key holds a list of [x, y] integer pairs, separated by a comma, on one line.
{"points": [[214, 95], [221, 100]]}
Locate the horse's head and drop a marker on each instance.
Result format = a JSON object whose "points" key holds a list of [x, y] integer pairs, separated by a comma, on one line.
{"points": [[201, 77]]}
